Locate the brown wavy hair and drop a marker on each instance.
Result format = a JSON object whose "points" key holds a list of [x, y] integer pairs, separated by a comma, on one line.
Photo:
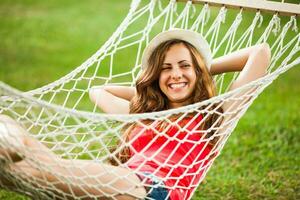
{"points": [[150, 98]]}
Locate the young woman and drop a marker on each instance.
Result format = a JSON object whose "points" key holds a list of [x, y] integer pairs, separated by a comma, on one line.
{"points": [[177, 70]]}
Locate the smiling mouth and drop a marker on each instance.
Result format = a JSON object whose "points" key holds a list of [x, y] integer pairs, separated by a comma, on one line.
{"points": [[177, 85]]}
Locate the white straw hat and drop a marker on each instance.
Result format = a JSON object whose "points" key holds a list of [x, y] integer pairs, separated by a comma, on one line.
{"points": [[191, 37]]}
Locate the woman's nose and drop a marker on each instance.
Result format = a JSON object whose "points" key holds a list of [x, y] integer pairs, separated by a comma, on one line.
{"points": [[176, 73]]}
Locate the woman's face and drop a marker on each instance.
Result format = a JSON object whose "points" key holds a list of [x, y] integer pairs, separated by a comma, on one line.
{"points": [[177, 79]]}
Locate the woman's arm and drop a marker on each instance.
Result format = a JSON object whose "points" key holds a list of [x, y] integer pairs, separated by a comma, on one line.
{"points": [[255, 58], [112, 99], [252, 62]]}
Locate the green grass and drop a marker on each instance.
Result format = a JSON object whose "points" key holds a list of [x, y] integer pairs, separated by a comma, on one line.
{"points": [[44, 40]]}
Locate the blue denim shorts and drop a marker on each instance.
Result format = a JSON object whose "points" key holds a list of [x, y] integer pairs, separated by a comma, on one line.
{"points": [[156, 191]]}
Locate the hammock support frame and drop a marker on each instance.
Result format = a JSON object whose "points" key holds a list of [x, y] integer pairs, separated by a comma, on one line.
{"points": [[288, 9]]}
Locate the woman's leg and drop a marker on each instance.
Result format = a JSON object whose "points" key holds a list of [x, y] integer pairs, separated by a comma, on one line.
{"points": [[12, 137], [70, 178], [79, 178]]}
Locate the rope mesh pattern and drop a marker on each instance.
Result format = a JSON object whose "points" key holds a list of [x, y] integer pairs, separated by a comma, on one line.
{"points": [[60, 116]]}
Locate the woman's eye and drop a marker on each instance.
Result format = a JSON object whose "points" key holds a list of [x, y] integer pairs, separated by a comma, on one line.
{"points": [[186, 65], [165, 68]]}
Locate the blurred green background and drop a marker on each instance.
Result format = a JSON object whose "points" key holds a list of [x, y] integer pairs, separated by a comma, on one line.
{"points": [[44, 40]]}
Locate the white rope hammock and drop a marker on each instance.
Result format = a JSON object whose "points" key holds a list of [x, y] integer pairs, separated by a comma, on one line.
{"points": [[61, 116]]}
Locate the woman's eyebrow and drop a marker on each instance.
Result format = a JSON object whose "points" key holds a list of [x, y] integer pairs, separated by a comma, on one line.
{"points": [[177, 62], [183, 61]]}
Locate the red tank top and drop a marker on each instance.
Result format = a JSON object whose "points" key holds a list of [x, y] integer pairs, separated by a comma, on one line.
{"points": [[178, 155]]}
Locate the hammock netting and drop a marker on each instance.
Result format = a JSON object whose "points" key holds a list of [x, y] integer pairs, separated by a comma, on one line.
{"points": [[61, 117]]}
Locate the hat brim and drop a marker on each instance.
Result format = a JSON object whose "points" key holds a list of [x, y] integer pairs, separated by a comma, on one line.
{"points": [[191, 37]]}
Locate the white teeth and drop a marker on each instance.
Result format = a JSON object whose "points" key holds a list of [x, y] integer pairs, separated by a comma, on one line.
{"points": [[177, 85]]}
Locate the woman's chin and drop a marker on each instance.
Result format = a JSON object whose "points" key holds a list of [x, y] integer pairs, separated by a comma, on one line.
{"points": [[179, 101]]}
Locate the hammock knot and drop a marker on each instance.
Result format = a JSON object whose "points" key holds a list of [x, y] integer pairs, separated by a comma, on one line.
{"points": [[189, 2], [276, 21], [175, 8], [294, 21], [258, 16], [193, 11], [237, 20], [222, 15], [240, 15], [287, 26], [207, 13]]}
